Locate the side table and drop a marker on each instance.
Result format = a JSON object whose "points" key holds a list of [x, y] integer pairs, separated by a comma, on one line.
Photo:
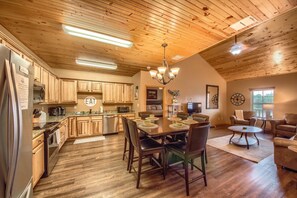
{"points": [[264, 121]]}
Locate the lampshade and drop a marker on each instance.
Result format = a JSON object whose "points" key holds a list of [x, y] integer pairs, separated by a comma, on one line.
{"points": [[153, 73], [268, 106], [171, 75], [162, 70], [175, 70], [159, 76]]}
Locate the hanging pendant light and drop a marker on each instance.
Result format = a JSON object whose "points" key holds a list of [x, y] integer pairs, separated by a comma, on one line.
{"points": [[164, 74]]}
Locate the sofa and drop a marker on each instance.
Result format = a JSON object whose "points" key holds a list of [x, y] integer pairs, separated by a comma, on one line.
{"points": [[155, 109], [249, 117], [200, 117], [284, 157], [285, 127]]}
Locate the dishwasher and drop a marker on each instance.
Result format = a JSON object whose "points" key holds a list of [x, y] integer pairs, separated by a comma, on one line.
{"points": [[110, 124]]}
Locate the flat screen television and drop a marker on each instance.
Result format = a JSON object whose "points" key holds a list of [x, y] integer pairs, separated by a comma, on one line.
{"points": [[194, 107]]}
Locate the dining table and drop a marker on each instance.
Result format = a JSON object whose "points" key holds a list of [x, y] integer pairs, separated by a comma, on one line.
{"points": [[164, 127]]}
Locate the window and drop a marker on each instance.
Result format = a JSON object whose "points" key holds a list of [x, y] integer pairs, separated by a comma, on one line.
{"points": [[262, 102]]}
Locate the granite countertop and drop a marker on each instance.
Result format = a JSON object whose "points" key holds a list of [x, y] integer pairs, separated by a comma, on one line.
{"points": [[36, 133]]}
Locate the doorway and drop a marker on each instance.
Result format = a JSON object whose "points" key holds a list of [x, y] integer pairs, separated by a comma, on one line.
{"points": [[155, 100]]}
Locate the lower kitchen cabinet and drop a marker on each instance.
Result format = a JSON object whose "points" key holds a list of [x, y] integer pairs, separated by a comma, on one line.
{"points": [[128, 115], [96, 125], [83, 126], [72, 127], [38, 158], [63, 132]]}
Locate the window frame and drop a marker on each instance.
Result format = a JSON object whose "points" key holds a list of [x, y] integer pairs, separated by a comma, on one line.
{"points": [[262, 112]]}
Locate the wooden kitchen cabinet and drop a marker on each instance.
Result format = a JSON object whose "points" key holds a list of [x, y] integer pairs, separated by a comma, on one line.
{"points": [[63, 132], [37, 158], [127, 115], [57, 90], [108, 93], [68, 91], [96, 87], [96, 125], [83, 86], [37, 72], [128, 93], [72, 127], [45, 81], [83, 126], [51, 88], [119, 93]]}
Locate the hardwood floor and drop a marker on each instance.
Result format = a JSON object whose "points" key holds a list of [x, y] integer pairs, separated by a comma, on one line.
{"points": [[97, 170]]}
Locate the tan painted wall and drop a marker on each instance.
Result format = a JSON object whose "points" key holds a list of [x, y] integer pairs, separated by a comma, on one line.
{"points": [[194, 74], [85, 75], [285, 93]]}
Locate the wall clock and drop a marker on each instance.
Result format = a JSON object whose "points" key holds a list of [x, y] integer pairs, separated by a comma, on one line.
{"points": [[237, 99]]}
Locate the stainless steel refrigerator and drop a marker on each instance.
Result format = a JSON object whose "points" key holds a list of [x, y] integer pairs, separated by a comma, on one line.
{"points": [[16, 104]]}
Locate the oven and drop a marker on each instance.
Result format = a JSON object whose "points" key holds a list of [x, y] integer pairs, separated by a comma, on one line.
{"points": [[51, 150]]}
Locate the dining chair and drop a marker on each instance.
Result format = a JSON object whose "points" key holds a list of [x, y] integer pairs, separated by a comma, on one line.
{"points": [[145, 149], [193, 148], [144, 114], [182, 115]]}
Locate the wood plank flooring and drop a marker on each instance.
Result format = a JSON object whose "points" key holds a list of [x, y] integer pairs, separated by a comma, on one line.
{"points": [[96, 170]]}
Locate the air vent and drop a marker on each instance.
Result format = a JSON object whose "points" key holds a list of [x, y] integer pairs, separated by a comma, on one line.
{"points": [[243, 23], [177, 57]]}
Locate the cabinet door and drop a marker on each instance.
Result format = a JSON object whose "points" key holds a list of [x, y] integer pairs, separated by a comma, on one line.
{"points": [[83, 126], [38, 163], [120, 123], [83, 86], [65, 123], [108, 93], [96, 125], [68, 91], [45, 81], [57, 90], [119, 93], [72, 127], [37, 72], [96, 87], [128, 93], [51, 88]]}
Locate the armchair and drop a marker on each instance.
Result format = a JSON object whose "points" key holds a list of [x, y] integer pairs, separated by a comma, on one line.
{"points": [[286, 127], [249, 118], [284, 157]]}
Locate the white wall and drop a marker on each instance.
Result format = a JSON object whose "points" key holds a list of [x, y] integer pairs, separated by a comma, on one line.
{"points": [[195, 74]]}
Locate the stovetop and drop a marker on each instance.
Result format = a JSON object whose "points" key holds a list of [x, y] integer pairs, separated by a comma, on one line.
{"points": [[45, 125]]}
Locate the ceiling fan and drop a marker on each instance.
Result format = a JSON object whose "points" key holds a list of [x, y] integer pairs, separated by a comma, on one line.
{"points": [[238, 47]]}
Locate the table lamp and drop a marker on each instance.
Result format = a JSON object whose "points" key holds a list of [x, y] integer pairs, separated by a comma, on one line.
{"points": [[268, 108]]}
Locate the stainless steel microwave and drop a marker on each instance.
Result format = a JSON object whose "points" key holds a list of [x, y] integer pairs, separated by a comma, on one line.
{"points": [[38, 92]]}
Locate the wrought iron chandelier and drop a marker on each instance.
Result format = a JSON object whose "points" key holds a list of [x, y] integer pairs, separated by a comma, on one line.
{"points": [[164, 74]]}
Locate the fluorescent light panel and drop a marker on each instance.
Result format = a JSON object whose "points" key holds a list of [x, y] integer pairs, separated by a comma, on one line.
{"points": [[74, 31], [98, 64]]}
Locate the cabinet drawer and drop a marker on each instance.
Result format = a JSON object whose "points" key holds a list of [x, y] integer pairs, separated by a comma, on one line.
{"points": [[37, 141]]}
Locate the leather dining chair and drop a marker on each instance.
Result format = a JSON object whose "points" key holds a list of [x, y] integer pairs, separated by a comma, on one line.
{"points": [[192, 149], [145, 148]]}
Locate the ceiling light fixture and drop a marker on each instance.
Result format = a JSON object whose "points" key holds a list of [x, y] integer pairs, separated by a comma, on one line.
{"points": [[277, 57], [74, 31], [164, 74], [236, 47], [98, 64]]}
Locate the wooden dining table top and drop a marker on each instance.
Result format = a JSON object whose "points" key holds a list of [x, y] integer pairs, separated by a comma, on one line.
{"points": [[163, 128]]}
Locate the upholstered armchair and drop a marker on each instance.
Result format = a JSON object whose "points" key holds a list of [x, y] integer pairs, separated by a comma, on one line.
{"points": [[284, 157], [249, 118], [286, 127]]}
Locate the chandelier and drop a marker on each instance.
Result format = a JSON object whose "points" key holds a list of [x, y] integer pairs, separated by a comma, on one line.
{"points": [[164, 74]]}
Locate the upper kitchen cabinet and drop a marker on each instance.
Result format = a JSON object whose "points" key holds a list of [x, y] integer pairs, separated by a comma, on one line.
{"points": [[45, 81], [128, 93], [96, 87], [51, 88], [37, 72], [88, 86], [68, 91], [108, 93], [119, 93], [83, 86]]}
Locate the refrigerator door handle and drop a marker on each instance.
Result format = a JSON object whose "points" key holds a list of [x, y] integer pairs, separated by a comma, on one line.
{"points": [[14, 128]]}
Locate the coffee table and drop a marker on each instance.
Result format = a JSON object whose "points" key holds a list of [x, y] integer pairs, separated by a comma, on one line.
{"points": [[244, 130]]}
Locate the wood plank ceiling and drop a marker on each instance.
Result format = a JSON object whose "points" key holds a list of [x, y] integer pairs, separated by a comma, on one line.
{"points": [[264, 46], [188, 26]]}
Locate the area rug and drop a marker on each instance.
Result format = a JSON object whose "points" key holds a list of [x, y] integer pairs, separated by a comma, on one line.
{"points": [[255, 153], [87, 140]]}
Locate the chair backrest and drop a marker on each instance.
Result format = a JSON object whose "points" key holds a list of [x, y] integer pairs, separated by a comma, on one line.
{"points": [[134, 136], [200, 117], [125, 127], [182, 115], [144, 114], [197, 137]]}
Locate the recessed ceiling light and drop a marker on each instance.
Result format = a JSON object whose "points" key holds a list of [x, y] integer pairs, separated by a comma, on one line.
{"points": [[74, 31], [98, 64], [177, 57], [247, 21], [277, 57]]}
